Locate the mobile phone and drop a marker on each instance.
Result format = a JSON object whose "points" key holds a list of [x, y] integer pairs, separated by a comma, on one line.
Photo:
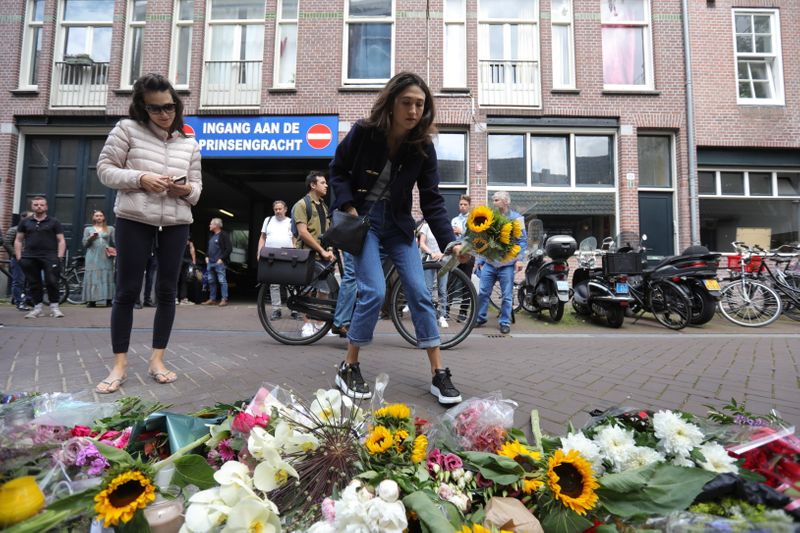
{"points": [[179, 180]]}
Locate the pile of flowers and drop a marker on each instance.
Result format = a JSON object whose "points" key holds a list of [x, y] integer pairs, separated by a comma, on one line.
{"points": [[492, 235]]}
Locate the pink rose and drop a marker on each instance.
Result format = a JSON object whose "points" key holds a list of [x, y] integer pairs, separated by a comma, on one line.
{"points": [[81, 431], [451, 462], [243, 423]]}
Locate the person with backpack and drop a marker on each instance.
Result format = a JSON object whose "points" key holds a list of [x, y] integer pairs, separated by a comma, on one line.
{"points": [[276, 232], [309, 222]]}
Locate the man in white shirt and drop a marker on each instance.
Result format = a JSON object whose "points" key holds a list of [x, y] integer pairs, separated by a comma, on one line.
{"points": [[276, 232]]}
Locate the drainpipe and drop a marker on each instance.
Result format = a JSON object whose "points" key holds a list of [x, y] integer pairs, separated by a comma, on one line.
{"points": [[694, 217], [428, 41]]}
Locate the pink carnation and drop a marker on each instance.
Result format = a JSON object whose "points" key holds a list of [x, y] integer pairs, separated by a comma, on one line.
{"points": [[225, 450], [244, 422]]}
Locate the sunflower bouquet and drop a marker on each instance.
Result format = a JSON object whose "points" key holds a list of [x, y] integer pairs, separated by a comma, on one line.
{"points": [[492, 235]]}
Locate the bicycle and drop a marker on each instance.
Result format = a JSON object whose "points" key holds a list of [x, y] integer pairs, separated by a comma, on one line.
{"points": [[745, 301], [304, 300], [73, 277]]}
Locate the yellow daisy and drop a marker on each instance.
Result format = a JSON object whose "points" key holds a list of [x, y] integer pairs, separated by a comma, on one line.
{"points": [[570, 478], [379, 440], [480, 219], [516, 231], [399, 437], [515, 448], [530, 486], [395, 410], [505, 233], [420, 450], [123, 496]]}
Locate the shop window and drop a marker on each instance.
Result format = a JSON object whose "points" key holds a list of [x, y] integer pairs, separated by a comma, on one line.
{"points": [[788, 184], [368, 47], [286, 44], [182, 42], [550, 161], [726, 220], [561, 20], [455, 44], [655, 161], [132, 66], [31, 44], [758, 56], [594, 161], [451, 152], [627, 44], [506, 160]]}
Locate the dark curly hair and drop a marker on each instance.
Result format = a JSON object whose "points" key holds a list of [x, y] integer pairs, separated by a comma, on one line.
{"points": [[380, 116], [155, 83]]}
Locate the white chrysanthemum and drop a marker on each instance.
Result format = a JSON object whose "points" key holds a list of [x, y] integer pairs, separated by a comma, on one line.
{"points": [[680, 460], [642, 456], [676, 435], [587, 448], [615, 444], [717, 459]]}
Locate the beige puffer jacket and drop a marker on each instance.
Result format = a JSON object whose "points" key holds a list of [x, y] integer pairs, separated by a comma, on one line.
{"points": [[133, 149]]}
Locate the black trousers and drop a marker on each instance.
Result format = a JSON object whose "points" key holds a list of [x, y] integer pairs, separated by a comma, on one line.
{"points": [[134, 244], [33, 268]]}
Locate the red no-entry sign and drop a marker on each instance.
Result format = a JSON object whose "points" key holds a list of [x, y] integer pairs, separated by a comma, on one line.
{"points": [[319, 136]]}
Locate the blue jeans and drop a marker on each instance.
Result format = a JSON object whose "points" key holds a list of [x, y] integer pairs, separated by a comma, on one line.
{"points": [[430, 277], [17, 282], [489, 275], [404, 253], [216, 271], [346, 301]]}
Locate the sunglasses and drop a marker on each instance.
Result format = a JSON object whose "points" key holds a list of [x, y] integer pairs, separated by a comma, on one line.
{"points": [[155, 109]]}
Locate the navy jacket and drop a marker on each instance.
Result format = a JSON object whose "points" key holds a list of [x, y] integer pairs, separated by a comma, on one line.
{"points": [[358, 162]]}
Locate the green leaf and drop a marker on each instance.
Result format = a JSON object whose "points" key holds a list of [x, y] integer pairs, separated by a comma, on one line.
{"points": [[75, 503], [495, 468], [606, 528], [114, 455], [137, 524], [628, 481], [43, 521], [429, 514], [369, 474], [562, 520], [193, 470]]}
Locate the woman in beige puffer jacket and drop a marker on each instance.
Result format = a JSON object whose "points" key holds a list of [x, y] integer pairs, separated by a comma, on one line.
{"points": [[155, 169]]}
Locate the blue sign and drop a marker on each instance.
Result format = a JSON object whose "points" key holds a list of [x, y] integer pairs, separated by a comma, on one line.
{"points": [[265, 136]]}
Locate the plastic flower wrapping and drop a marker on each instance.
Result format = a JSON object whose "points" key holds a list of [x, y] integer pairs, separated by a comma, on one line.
{"points": [[324, 463]]}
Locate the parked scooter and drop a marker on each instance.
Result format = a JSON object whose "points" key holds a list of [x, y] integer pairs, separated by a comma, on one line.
{"points": [[545, 285], [599, 291]]}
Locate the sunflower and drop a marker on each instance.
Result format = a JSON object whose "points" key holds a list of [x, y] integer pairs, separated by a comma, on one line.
{"points": [[516, 231], [395, 410], [480, 219], [530, 486], [379, 440], [571, 480], [505, 233], [514, 448], [123, 496], [512, 253], [479, 244], [419, 452], [477, 528], [399, 437]]}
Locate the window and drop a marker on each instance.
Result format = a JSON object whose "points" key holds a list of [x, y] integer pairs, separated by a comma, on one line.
{"points": [[550, 161], [749, 183], [132, 67], [707, 183], [455, 44], [32, 44], [182, 42], [368, 37], [627, 44], [594, 161], [508, 53], [655, 161], [563, 44], [286, 44], [788, 184], [507, 160], [760, 183], [758, 56], [86, 31], [451, 152]]}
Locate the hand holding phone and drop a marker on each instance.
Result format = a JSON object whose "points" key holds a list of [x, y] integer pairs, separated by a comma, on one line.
{"points": [[179, 180]]}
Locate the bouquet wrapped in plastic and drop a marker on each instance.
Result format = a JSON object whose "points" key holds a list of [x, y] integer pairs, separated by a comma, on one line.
{"points": [[492, 235]]}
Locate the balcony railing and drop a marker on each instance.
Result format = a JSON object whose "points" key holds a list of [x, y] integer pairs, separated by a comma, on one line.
{"points": [[509, 83], [83, 84], [231, 83]]}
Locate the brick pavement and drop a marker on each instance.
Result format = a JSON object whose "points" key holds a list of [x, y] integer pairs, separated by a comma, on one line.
{"points": [[562, 370]]}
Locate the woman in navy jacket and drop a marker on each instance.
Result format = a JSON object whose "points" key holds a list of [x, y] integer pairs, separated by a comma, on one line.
{"points": [[374, 171]]}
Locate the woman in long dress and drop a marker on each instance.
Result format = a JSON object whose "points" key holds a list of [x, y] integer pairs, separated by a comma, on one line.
{"points": [[98, 280]]}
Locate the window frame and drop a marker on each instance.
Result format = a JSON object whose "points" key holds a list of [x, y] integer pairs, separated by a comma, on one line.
{"points": [[348, 19], [27, 64], [281, 21], [177, 24], [746, 177], [647, 45], [63, 25], [449, 20], [570, 25], [465, 184], [127, 56], [673, 163], [775, 68], [571, 133]]}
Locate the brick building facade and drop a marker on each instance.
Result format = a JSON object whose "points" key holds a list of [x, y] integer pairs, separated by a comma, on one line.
{"points": [[577, 107]]}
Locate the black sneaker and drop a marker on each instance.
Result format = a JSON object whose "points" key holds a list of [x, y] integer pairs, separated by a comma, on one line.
{"points": [[480, 323], [505, 329], [349, 380], [276, 314], [295, 315], [443, 388]]}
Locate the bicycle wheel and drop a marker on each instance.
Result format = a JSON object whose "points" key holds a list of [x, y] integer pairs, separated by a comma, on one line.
{"points": [[310, 312], [496, 297], [791, 305], [670, 305], [460, 308], [63, 289], [75, 286], [749, 303]]}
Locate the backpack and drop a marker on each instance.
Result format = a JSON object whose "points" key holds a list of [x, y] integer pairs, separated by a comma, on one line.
{"points": [[295, 233]]}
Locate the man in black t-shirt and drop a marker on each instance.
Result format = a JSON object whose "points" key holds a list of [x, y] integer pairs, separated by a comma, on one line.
{"points": [[39, 247]]}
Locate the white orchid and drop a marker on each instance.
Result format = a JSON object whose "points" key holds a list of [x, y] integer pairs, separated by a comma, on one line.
{"points": [[234, 482], [676, 435], [615, 443], [206, 512], [717, 459], [290, 440], [252, 514], [327, 405], [586, 447], [272, 472], [260, 442]]}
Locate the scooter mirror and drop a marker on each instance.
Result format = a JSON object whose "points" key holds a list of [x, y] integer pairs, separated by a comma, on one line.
{"points": [[644, 237]]}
